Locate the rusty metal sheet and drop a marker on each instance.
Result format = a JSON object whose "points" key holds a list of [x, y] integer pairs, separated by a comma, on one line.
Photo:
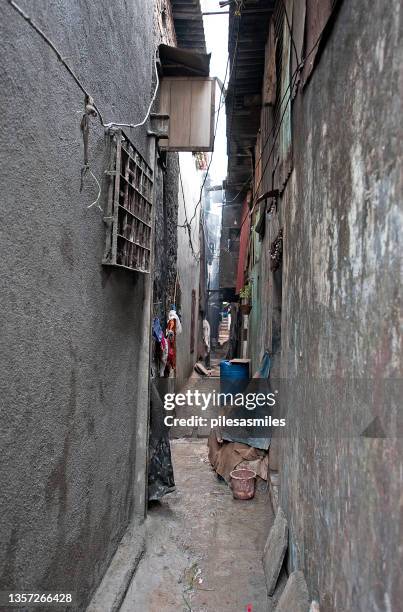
{"points": [[270, 75], [298, 30], [285, 148], [317, 15]]}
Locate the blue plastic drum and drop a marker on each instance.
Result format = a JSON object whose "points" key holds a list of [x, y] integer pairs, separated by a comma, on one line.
{"points": [[234, 377]]}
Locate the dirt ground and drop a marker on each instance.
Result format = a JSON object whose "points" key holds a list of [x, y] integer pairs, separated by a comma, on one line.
{"points": [[204, 548]]}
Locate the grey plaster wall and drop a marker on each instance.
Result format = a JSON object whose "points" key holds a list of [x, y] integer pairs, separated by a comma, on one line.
{"points": [[342, 217], [188, 266], [71, 331]]}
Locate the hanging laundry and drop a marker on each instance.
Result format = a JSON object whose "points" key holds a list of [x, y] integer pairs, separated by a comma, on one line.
{"points": [[173, 328], [163, 357], [158, 334], [171, 339], [173, 315]]}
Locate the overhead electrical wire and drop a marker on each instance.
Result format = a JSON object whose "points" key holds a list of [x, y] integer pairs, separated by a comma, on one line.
{"points": [[280, 105], [187, 225], [235, 64], [42, 34], [211, 157], [88, 96], [78, 82], [290, 90], [135, 125], [29, 20], [290, 31], [91, 109], [249, 179], [234, 58], [300, 65], [239, 15]]}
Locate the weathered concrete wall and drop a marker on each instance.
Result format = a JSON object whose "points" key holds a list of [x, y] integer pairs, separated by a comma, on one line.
{"points": [[229, 243], [188, 265], [71, 330], [164, 23], [342, 216], [213, 230], [166, 238], [166, 196], [265, 316]]}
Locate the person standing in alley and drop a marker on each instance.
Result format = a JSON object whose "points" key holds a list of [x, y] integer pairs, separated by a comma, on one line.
{"points": [[206, 342]]}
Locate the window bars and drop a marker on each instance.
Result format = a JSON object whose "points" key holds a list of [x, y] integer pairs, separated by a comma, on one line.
{"points": [[129, 208]]}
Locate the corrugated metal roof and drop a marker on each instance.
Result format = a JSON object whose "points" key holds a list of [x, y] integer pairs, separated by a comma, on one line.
{"points": [[246, 45], [188, 21]]}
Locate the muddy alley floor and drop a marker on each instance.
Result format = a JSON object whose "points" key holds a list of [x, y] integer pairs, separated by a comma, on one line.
{"points": [[204, 548]]}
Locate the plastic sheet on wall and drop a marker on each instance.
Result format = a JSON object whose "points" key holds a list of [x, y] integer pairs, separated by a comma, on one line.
{"points": [[160, 470]]}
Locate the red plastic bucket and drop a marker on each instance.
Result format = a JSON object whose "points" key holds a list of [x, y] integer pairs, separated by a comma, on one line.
{"points": [[243, 483]]}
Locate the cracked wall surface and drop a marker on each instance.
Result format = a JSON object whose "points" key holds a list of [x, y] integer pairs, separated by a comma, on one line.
{"points": [[342, 218]]}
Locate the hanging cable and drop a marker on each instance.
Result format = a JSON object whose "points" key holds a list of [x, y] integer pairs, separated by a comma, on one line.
{"points": [[95, 202], [249, 179], [267, 162], [91, 109], [292, 82], [233, 64], [85, 130], [290, 30], [239, 15], [289, 88], [211, 157], [234, 67], [42, 34], [135, 125], [187, 225]]}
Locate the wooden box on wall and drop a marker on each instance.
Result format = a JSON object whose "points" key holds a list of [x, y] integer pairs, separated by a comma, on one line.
{"points": [[190, 104]]}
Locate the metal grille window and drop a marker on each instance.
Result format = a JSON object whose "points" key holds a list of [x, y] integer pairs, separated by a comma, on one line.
{"points": [[129, 212]]}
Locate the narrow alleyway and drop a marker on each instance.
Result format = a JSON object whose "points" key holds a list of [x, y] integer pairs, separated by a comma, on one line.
{"points": [[204, 548], [201, 259]]}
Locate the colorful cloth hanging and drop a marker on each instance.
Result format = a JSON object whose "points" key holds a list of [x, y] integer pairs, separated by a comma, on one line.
{"points": [[171, 339], [158, 334]]}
